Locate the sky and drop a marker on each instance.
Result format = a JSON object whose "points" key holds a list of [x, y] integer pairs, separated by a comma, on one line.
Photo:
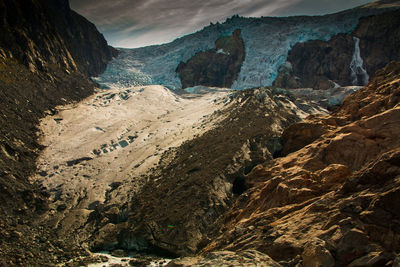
{"points": [[137, 23]]}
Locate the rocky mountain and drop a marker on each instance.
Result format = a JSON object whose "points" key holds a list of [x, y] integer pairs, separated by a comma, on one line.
{"points": [[322, 204], [346, 59], [47, 52], [267, 42], [214, 176]]}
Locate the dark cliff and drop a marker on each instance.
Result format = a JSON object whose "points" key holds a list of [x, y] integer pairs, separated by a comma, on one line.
{"points": [[39, 33], [47, 52], [318, 64], [215, 67]]}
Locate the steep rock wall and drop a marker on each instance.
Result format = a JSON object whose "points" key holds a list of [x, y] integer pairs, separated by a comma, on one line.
{"points": [[217, 67], [346, 59]]}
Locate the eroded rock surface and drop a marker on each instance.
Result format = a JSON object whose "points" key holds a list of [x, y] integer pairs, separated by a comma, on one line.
{"points": [[334, 201]]}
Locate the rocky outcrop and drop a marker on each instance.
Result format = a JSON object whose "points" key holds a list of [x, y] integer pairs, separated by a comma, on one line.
{"points": [[346, 59], [46, 53], [217, 67], [227, 258], [41, 33], [331, 202]]}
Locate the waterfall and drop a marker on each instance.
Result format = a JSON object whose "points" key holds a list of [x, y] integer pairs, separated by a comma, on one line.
{"points": [[358, 74]]}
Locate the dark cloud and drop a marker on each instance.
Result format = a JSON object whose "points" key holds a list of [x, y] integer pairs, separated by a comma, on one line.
{"points": [[134, 23]]}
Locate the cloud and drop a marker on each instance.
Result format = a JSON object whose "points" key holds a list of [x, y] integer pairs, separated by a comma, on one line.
{"points": [[320, 7], [135, 23]]}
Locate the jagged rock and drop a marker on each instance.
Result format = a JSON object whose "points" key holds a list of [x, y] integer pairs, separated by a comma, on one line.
{"points": [[69, 40], [341, 189], [227, 258], [317, 63], [217, 67], [316, 254], [185, 196], [301, 134]]}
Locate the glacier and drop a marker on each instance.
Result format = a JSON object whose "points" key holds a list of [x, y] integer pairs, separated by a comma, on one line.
{"points": [[268, 41]]}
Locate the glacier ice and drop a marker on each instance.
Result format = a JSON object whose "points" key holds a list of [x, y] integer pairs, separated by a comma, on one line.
{"points": [[267, 42]]}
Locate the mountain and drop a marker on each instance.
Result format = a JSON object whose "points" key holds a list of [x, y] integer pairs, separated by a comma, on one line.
{"points": [[325, 204], [267, 42], [47, 52], [204, 175]]}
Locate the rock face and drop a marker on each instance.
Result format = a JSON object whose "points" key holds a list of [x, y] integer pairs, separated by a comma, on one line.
{"points": [[40, 33], [333, 200], [217, 67], [379, 40], [46, 53], [319, 64]]}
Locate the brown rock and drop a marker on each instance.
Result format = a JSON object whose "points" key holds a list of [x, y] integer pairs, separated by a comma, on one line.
{"points": [[226, 258], [341, 189], [370, 260], [119, 253], [315, 254], [301, 134]]}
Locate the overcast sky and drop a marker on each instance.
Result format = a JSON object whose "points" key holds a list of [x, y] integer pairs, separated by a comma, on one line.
{"points": [[136, 23]]}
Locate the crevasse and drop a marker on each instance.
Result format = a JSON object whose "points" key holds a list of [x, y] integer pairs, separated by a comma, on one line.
{"points": [[358, 74]]}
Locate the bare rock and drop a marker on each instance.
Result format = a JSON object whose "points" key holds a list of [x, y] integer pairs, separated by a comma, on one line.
{"points": [[217, 67], [315, 254], [227, 258]]}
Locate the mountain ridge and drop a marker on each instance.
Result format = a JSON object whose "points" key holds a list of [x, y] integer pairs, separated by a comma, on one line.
{"points": [[267, 42]]}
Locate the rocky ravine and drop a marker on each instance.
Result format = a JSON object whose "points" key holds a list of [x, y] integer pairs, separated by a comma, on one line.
{"points": [[334, 202]]}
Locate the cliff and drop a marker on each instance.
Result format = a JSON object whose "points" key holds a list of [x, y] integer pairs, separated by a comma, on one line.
{"points": [[346, 59], [217, 67], [47, 52]]}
